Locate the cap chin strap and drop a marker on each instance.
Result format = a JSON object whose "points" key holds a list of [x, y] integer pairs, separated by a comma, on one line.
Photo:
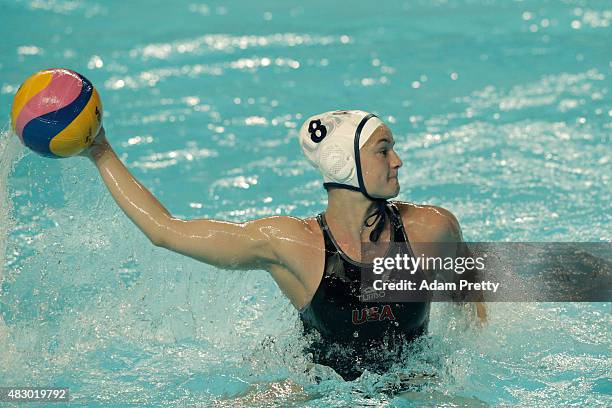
{"points": [[379, 215], [340, 185]]}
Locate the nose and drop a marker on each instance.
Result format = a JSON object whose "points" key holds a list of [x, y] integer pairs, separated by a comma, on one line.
{"points": [[396, 161]]}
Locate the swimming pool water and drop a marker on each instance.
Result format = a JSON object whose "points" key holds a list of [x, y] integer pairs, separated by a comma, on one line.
{"points": [[501, 111]]}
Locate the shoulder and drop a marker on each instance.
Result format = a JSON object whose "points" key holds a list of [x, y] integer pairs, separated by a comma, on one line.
{"points": [[289, 237], [429, 213], [431, 223], [297, 245], [284, 226]]}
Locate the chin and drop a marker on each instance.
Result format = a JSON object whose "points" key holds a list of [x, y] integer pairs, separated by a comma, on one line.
{"points": [[396, 190], [390, 190], [392, 193]]}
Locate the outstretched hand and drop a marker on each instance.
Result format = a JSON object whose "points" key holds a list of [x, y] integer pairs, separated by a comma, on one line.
{"points": [[100, 142]]}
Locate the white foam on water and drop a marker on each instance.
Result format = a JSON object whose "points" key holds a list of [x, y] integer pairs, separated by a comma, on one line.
{"points": [[10, 152]]}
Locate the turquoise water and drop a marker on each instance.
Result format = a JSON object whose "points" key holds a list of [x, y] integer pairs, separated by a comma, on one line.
{"points": [[502, 114]]}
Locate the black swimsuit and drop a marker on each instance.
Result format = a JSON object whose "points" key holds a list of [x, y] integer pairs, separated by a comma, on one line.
{"points": [[356, 335]]}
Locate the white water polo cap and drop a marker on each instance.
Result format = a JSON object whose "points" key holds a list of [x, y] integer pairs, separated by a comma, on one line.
{"points": [[331, 143]]}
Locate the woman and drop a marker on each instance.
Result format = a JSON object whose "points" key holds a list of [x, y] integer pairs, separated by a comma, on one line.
{"points": [[316, 261]]}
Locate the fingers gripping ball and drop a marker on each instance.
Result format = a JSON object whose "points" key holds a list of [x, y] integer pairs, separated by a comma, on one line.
{"points": [[56, 113]]}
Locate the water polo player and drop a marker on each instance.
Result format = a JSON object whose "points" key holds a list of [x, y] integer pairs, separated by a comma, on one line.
{"points": [[315, 261]]}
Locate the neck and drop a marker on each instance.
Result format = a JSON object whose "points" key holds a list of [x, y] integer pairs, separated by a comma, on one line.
{"points": [[347, 211]]}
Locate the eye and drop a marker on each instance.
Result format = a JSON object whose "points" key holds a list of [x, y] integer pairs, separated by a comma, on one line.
{"points": [[383, 152]]}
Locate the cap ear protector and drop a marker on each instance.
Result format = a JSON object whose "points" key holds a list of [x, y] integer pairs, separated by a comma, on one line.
{"points": [[332, 159], [331, 143]]}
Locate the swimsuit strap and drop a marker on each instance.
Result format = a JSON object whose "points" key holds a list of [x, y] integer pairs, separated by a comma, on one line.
{"points": [[329, 244], [396, 219], [400, 230]]}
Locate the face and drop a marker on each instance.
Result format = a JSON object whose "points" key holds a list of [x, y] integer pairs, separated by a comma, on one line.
{"points": [[380, 164]]}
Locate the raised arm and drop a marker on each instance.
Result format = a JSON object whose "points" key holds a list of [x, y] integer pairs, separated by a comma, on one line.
{"points": [[223, 244]]}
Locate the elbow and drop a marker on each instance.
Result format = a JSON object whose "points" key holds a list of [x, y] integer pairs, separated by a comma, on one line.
{"points": [[158, 236], [157, 240], [158, 233]]}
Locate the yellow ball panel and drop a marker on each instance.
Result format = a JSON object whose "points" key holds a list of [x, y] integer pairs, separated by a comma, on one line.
{"points": [[28, 89], [82, 130]]}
